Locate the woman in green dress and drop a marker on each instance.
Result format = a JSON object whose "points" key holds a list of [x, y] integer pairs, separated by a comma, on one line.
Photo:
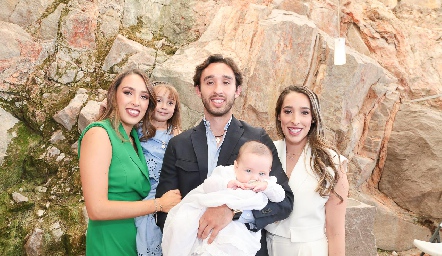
{"points": [[114, 174]]}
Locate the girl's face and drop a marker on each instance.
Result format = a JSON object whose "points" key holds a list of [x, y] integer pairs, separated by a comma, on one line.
{"points": [[165, 106], [132, 100], [296, 118]]}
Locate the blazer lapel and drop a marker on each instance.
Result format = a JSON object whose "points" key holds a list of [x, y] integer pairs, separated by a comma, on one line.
{"points": [[302, 170], [199, 142], [138, 159], [234, 133], [281, 148]]}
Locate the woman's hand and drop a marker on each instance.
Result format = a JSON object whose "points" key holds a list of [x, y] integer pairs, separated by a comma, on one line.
{"points": [[169, 200]]}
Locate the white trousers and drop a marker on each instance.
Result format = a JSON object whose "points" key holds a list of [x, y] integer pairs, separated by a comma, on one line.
{"points": [[281, 246]]}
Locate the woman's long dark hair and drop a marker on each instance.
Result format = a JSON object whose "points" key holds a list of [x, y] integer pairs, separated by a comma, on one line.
{"points": [[321, 149]]}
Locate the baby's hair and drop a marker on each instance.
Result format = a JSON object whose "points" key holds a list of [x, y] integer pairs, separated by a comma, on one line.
{"points": [[255, 147]]}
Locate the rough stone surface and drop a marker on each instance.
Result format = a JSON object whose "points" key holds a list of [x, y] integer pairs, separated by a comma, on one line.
{"points": [[359, 229], [7, 121], [18, 198], [79, 26], [396, 232], [19, 55], [389, 3], [411, 175], [56, 231], [434, 4], [126, 54], [68, 116], [53, 48], [57, 136], [33, 245], [49, 25], [27, 12], [88, 114]]}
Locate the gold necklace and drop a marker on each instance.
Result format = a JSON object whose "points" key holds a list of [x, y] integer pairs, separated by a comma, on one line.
{"points": [[292, 156]]}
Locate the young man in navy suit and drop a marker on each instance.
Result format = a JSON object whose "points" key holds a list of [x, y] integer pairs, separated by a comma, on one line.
{"points": [[192, 155]]}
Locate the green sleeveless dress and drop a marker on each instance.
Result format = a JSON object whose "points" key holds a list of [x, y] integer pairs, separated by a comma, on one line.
{"points": [[128, 181]]}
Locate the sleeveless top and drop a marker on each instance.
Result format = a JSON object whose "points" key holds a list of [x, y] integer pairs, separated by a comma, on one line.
{"points": [[128, 180]]}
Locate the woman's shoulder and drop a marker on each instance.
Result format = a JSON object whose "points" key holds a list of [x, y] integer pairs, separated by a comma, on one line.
{"points": [[103, 127], [95, 133], [106, 124]]}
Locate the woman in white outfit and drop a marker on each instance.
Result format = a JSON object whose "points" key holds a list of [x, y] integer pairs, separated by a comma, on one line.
{"points": [[317, 177]]}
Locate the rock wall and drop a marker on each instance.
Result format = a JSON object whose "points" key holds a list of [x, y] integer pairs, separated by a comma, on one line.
{"points": [[60, 56]]}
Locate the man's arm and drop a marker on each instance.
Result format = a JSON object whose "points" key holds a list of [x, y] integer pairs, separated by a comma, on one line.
{"points": [[168, 179], [274, 211]]}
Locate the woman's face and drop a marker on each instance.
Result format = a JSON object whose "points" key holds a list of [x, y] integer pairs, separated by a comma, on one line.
{"points": [[132, 100], [296, 118]]}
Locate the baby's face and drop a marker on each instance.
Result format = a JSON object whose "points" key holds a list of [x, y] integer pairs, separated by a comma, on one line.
{"points": [[252, 167]]}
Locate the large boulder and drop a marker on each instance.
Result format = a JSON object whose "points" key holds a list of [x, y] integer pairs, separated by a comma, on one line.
{"points": [[412, 173]]}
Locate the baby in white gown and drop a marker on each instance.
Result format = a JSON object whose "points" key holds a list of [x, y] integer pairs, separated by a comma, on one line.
{"points": [[246, 185]]}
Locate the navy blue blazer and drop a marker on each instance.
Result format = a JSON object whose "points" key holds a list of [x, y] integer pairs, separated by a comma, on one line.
{"points": [[185, 167]]}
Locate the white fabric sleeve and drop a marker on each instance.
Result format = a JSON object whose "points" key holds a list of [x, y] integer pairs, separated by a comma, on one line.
{"points": [[274, 191], [218, 180]]}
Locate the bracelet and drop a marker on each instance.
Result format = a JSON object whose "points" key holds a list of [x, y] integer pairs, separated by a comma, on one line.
{"points": [[156, 206], [156, 209]]}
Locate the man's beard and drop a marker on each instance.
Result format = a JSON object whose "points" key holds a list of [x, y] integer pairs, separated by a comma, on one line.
{"points": [[218, 111]]}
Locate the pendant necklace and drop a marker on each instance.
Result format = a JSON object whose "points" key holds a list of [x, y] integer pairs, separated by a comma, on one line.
{"points": [[219, 137]]}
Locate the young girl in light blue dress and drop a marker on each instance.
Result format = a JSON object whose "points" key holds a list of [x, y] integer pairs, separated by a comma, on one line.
{"points": [[166, 123]]}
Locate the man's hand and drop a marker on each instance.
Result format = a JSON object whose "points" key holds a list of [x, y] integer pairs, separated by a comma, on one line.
{"points": [[213, 220]]}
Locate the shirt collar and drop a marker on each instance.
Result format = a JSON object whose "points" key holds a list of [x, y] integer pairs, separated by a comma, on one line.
{"points": [[207, 124]]}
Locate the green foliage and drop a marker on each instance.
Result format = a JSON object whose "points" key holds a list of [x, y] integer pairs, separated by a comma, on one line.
{"points": [[384, 252], [13, 165], [25, 167], [14, 225]]}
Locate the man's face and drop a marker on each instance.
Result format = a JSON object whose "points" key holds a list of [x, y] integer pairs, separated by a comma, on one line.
{"points": [[218, 89]]}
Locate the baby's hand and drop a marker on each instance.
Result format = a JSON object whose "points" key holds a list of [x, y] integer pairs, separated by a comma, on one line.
{"points": [[234, 184], [257, 185]]}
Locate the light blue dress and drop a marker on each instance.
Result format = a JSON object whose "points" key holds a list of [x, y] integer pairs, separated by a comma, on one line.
{"points": [[149, 235]]}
